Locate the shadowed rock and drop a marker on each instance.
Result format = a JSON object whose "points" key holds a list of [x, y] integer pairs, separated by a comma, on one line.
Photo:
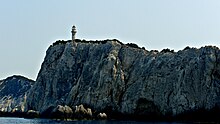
{"points": [[81, 112], [62, 112], [102, 116], [33, 114]]}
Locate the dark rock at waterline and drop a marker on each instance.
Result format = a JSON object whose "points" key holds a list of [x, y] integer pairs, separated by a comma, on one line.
{"points": [[58, 112], [83, 113], [102, 116], [62, 112], [65, 112], [32, 114]]}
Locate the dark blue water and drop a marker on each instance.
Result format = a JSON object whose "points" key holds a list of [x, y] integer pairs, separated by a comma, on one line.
{"points": [[7, 120]]}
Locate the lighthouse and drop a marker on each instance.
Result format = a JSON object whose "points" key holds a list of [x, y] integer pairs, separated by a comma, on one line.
{"points": [[73, 33]]}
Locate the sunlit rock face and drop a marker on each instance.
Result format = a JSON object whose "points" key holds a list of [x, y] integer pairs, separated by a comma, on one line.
{"points": [[111, 76], [13, 93]]}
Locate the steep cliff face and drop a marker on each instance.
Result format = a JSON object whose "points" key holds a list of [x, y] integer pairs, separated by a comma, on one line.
{"points": [[13, 91], [116, 77]]}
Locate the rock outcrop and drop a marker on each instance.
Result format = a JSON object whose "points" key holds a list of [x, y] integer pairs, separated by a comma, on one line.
{"points": [[102, 116], [32, 114], [13, 94], [62, 112], [109, 76], [83, 113]]}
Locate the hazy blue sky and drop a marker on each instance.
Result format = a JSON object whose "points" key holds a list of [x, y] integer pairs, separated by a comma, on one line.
{"points": [[28, 27]]}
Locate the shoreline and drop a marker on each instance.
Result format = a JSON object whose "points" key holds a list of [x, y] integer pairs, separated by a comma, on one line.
{"points": [[187, 118]]}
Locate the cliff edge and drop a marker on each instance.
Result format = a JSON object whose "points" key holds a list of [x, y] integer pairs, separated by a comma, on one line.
{"points": [[110, 76]]}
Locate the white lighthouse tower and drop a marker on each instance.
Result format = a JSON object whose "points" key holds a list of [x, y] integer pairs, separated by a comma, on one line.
{"points": [[73, 33]]}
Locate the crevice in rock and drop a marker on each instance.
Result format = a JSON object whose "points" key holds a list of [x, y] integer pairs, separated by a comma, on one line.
{"points": [[168, 97]]}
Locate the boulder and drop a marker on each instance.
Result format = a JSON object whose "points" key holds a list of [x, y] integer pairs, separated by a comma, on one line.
{"points": [[17, 109], [62, 112], [89, 112], [81, 112], [33, 114], [102, 116]]}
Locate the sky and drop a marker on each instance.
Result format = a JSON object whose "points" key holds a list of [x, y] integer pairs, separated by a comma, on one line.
{"points": [[28, 27]]}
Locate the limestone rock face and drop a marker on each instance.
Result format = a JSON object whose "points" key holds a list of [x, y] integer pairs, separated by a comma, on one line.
{"points": [[112, 76], [13, 93]]}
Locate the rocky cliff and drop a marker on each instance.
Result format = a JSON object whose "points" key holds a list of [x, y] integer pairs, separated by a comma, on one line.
{"points": [[110, 76], [13, 93]]}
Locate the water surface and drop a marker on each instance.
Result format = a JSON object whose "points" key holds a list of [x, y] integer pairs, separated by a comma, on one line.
{"points": [[9, 120]]}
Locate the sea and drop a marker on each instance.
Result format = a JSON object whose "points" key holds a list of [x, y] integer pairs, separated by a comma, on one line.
{"points": [[10, 120]]}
